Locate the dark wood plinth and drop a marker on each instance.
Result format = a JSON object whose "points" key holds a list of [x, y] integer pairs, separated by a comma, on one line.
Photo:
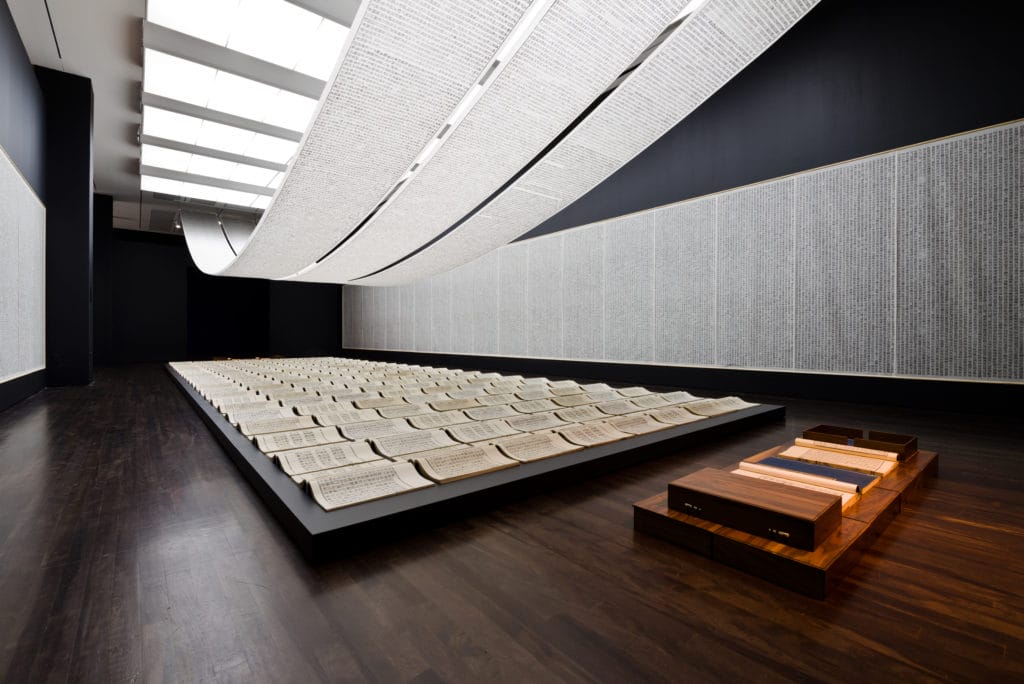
{"points": [[812, 573]]}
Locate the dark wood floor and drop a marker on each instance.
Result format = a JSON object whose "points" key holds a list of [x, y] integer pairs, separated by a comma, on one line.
{"points": [[132, 550]]}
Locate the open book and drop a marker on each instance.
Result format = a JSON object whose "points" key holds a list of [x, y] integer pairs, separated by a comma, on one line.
{"points": [[456, 463], [354, 484]]}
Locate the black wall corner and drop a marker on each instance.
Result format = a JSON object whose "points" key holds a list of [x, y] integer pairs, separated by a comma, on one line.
{"points": [[102, 303], [304, 319], [69, 226]]}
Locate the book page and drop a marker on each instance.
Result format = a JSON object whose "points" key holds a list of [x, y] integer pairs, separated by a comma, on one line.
{"points": [[863, 464], [482, 431], [649, 401], [535, 406], [674, 416], [379, 402], [376, 428], [563, 384], [592, 434], [286, 441], [531, 393], [680, 397], [406, 411], [574, 400], [535, 422], [637, 424], [580, 414], [325, 406], [596, 387], [629, 392], [492, 412], [566, 391], [249, 415], [354, 484], [439, 419], [496, 399], [534, 447], [457, 463], [262, 427], [454, 404], [618, 407], [345, 417], [412, 442], [312, 459]]}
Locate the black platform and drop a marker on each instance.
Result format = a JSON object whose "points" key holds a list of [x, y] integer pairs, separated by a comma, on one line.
{"points": [[320, 533]]}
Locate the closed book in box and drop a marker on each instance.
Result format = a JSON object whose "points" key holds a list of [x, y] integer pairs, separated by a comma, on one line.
{"points": [[798, 517]]}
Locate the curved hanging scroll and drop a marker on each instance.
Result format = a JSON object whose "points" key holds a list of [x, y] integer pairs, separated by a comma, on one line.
{"points": [[450, 129]]}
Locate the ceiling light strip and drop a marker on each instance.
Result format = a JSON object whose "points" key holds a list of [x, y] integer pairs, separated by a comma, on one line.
{"points": [[508, 49], [212, 181], [184, 46], [188, 109], [210, 152], [339, 11], [622, 77]]}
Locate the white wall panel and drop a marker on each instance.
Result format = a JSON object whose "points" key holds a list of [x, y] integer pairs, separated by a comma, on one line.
{"points": [[629, 288], [440, 312], [513, 318], [684, 283], [756, 277], [544, 297], [960, 270], [583, 294], [844, 265], [909, 263], [22, 275], [422, 341]]}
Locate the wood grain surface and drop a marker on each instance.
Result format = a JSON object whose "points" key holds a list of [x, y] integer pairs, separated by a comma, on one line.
{"points": [[131, 549]]}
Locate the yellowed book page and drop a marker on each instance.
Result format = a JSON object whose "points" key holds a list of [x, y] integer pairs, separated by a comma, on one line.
{"points": [[461, 462], [412, 442], [350, 485], [536, 446]]}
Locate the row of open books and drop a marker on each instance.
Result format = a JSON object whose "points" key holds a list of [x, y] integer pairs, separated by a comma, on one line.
{"points": [[351, 430]]}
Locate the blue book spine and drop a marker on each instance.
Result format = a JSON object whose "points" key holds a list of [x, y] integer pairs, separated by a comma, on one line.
{"points": [[860, 479]]}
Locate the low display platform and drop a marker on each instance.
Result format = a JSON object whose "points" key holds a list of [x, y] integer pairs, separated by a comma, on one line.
{"points": [[810, 572], [320, 533]]}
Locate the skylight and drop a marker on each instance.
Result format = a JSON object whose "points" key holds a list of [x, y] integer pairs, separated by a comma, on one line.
{"points": [[274, 31], [190, 130]]}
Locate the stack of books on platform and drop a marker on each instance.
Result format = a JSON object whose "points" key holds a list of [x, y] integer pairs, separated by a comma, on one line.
{"points": [[796, 495]]}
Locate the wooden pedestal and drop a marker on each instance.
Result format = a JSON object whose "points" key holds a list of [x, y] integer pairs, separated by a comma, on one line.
{"points": [[812, 573]]}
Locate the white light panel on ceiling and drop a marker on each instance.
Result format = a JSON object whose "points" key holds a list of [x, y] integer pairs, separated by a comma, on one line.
{"points": [[199, 191], [185, 81], [187, 162], [190, 130], [275, 31]]}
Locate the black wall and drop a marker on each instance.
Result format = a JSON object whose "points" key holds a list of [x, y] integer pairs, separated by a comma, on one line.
{"points": [[69, 226], [22, 113], [852, 78], [164, 309]]}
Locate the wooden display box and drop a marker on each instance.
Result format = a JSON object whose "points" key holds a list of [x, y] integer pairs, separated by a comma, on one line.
{"points": [[810, 572], [904, 446], [793, 516]]}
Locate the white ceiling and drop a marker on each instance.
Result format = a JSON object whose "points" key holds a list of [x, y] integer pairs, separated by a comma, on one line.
{"points": [[102, 40]]}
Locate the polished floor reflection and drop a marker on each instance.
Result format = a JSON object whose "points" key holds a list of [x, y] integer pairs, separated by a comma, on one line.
{"points": [[133, 550]]}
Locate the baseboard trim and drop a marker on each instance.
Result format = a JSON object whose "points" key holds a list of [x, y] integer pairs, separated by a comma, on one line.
{"points": [[17, 389], [989, 398]]}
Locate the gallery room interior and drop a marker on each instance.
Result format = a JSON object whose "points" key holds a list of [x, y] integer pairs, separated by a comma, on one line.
{"points": [[511, 340]]}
